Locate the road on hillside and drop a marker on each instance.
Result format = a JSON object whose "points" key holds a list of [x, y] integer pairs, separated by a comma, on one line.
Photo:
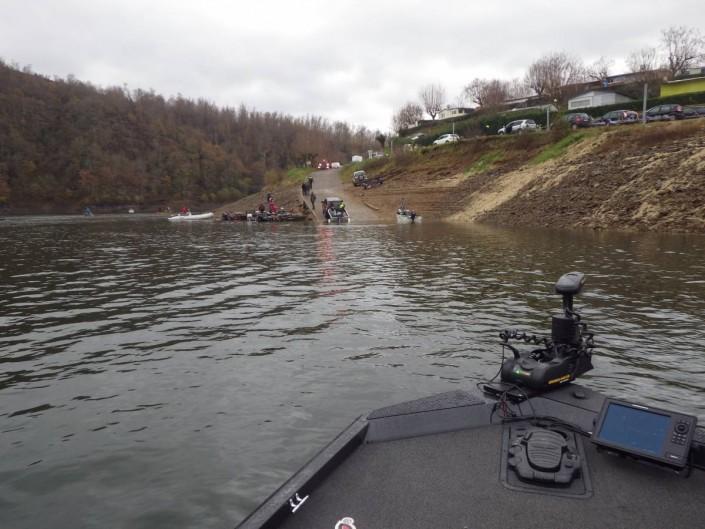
{"points": [[328, 184]]}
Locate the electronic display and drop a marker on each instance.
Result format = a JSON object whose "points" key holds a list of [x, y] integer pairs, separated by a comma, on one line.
{"points": [[645, 432], [635, 428]]}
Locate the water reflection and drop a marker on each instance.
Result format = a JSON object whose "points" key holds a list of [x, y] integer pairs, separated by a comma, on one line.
{"points": [[174, 375]]}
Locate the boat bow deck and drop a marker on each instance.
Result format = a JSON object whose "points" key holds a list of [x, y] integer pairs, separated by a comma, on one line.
{"points": [[436, 463]]}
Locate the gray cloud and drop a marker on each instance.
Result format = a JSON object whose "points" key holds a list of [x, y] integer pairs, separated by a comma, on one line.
{"points": [[355, 61]]}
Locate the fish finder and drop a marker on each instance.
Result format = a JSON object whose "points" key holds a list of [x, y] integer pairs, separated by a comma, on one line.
{"points": [[644, 432]]}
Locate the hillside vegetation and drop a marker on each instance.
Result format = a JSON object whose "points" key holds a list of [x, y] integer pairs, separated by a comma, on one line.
{"points": [[65, 143], [631, 177]]}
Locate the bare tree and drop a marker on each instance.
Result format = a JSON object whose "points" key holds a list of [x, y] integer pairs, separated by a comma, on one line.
{"points": [[488, 92], [600, 69], [433, 97], [518, 88], [682, 46], [549, 75], [645, 64], [643, 60], [407, 116]]}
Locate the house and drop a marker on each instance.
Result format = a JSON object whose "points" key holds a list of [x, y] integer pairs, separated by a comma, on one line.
{"points": [[683, 86], [597, 98], [457, 112]]}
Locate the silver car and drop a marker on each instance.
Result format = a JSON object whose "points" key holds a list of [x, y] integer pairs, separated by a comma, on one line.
{"points": [[520, 125]]}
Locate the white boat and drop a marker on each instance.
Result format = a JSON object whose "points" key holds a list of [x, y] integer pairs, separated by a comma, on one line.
{"points": [[190, 216]]}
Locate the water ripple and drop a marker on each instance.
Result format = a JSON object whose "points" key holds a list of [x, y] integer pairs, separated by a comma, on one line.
{"points": [[146, 362]]}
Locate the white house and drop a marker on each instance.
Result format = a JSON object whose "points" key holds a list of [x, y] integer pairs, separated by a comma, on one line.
{"points": [[596, 99], [447, 113]]}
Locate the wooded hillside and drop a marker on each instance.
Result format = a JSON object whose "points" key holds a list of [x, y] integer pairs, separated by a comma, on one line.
{"points": [[67, 143]]}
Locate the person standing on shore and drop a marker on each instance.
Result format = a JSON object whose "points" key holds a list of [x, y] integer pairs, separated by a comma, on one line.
{"points": [[313, 200]]}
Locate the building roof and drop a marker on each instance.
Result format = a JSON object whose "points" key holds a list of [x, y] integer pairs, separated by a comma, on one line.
{"points": [[685, 80]]}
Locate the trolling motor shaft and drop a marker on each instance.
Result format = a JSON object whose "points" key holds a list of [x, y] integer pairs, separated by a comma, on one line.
{"points": [[563, 357]]}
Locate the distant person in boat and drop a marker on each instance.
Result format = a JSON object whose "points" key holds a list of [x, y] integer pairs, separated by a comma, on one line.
{"points": [[261, 208], [185, 211], [341, 206], [273, 207]]}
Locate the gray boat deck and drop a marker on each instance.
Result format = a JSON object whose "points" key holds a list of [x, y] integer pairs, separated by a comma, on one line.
{"points": [[408, 473]]}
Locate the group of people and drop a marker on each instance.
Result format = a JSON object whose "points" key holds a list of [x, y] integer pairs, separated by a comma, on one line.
{"points": [[307, 190], [307, 186]]}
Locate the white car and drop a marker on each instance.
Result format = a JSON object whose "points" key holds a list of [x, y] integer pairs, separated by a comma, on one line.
{"points": [[521, 125], [447, 138]]}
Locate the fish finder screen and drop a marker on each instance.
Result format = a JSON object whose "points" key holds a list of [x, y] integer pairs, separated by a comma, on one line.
{"points": [[632, 428]]}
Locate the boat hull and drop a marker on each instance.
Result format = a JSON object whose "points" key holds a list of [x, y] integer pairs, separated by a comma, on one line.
{"points": [[189, 218], [405, 219]]}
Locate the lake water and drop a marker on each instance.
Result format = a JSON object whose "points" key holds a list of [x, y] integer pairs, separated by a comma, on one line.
{"points": [[161, 376]]}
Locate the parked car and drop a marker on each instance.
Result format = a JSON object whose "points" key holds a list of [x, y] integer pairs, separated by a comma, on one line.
{"points": [[416, 137], [447, 138], [690, 113], [578, 119], [519, 126], [324, 164], [617, 117], [700, 111], [665, 113], [359, 178]]}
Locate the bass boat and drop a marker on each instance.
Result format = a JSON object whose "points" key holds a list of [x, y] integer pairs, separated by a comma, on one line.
{"points": [[532, 449]]}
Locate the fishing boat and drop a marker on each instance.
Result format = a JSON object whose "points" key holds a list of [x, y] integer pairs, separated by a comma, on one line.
{"points": [[533, 449], [334, 211], [190, 216], [263, 216], [407, 216]]}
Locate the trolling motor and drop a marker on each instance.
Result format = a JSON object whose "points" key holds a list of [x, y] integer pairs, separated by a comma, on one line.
{"points": [[563, 357]]}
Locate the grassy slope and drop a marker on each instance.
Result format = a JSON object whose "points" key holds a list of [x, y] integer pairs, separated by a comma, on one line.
{"points": [[634, 177]]}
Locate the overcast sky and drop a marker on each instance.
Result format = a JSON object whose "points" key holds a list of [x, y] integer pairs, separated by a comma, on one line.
{"points": [[350, 60]]}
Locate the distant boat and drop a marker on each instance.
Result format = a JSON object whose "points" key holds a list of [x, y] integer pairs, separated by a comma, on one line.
{"points": [[406, 215], [130, 210], [190, 217]]}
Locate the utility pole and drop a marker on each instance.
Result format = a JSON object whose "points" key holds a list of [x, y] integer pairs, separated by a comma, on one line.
{"points": [[548, 116], [646, 95]]}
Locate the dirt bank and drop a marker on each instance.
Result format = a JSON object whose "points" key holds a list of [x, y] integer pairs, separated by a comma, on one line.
{"points": [[631, 177]]}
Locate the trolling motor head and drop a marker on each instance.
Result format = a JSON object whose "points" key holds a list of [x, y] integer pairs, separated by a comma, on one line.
{"points": [[564, 356], [564, 327]]}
